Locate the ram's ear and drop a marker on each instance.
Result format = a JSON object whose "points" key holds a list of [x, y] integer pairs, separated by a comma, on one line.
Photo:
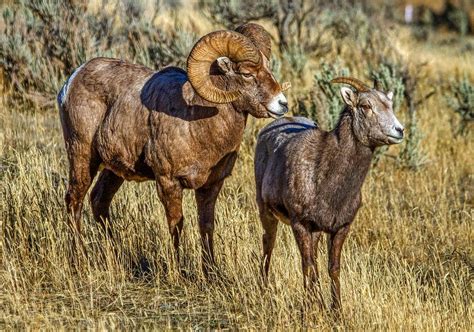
{"points": [[349, 97], [191, 97], [225, 65]]}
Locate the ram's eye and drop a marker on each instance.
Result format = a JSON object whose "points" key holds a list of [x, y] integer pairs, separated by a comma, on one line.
{"points": [[247, 75]]}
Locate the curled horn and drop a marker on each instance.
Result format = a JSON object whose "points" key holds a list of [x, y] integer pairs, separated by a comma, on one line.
{"points": [[217, 44], [257, 35], [354, 82], [262, 40]]}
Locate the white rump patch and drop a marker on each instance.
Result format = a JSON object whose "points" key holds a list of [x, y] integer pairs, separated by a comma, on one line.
{"points": [[65, 89]]}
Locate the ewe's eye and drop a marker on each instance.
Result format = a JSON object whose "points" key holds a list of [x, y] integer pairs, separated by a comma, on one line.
{"points": [[366, 107]]}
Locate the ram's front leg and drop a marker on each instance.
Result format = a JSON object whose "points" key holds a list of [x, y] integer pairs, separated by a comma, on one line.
{"points": [[206, 201], [171, 195]]}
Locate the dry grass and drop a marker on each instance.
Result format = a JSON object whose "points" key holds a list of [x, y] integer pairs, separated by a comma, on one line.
{"points": [[408, 263]]}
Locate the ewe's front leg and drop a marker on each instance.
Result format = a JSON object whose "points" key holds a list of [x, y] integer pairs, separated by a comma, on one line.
{"points": [[335, 243], [308, 245], [206, 201], [171, 195]]}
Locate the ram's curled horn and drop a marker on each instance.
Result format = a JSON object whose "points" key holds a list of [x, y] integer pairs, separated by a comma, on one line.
{"points": [[217, 44], [257, 35], [354, 82], [377, 85]]}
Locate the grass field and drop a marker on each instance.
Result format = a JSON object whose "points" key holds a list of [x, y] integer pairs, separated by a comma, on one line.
{"points": [[408, 263]]}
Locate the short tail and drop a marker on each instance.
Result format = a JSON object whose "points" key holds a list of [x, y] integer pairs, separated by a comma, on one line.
{"points": [[62, 95]]}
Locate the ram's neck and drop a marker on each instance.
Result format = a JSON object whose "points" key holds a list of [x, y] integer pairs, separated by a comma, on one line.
{"points": [[225, 123]]}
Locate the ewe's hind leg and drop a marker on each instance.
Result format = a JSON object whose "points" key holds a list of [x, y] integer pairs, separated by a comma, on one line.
{"points": [[315, 236], [270, 226], [101, 197], [304, 240], [171, 195]]}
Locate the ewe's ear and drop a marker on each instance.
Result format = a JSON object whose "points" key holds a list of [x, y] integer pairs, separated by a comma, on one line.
{"points": [[225, 65], [390, 95], [191, 97], [349, 97]]}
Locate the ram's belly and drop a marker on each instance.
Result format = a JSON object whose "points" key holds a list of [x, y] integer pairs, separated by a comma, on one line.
{"points": [[137, 172], [193, 176]]}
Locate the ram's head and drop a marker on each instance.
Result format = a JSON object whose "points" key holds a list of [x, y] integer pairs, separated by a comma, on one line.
{"points": [[233, 67]]}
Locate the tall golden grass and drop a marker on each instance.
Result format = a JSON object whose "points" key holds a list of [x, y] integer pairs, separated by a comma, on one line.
{"points": [[407, 264]]}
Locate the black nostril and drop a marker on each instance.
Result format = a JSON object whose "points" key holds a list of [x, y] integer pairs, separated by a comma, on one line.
{"points": [[283, 103], [400, 130]]}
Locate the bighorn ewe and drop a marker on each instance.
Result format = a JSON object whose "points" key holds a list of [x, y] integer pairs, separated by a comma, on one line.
{"points": [[179, 128], [312, 179]]}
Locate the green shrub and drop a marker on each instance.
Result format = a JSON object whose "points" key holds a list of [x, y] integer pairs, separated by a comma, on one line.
{"points": [[412, 155], [43, 41], [390, 76], [324, 104], [229, 13], [461, 100], [296, 59], [275, 67], [458, 18]]}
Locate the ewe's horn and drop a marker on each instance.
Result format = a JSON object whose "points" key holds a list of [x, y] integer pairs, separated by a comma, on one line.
{"points": [[216, 44], [354, 82]]}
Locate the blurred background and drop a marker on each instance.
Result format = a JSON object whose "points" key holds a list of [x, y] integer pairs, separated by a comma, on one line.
{"points": [[409, 260]]}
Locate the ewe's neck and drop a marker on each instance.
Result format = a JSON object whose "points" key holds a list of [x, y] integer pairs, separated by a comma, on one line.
{"points": [[356, 156]]}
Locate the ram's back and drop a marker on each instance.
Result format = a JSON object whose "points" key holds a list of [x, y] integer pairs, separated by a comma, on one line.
{"points": [[106, 106]]}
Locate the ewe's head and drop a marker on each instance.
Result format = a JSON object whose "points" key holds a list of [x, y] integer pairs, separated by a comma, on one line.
{"points": [[374, 122], [233, 67]]}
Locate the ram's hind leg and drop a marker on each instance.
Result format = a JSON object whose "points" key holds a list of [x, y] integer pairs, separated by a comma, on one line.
{"points": [[101, 196], [80, 118], [83, 166]]}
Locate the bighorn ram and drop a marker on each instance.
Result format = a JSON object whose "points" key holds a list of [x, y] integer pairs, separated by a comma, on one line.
{"points": [[312, 179], [179, 128]]}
